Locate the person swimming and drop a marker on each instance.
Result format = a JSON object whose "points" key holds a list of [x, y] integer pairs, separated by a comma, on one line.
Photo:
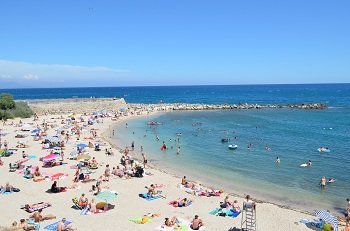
{"points": [[278, 160]]}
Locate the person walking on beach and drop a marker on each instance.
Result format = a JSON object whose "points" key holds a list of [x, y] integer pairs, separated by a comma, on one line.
{"points": [[144, 157], [107, 172]]}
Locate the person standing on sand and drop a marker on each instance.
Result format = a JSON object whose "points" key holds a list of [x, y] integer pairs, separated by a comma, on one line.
{"points": [[107, 172], [132, 145], [144, 157]]}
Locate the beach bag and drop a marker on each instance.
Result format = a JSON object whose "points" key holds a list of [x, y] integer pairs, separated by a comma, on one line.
{"points": [[222, 214]]}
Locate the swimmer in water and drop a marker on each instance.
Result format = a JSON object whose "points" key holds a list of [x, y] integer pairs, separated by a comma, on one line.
{"points": [[309, 163], [278, 160]]}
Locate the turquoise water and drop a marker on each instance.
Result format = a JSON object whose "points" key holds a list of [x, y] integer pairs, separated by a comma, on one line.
{"points": [[292, 135]]}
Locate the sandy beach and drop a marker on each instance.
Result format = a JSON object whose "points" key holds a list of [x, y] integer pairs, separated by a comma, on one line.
{"points": [[127, 203]]}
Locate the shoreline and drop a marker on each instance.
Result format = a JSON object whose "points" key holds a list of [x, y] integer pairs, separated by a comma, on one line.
{"points": [[270, 216], [117, 145], [153, 109]]}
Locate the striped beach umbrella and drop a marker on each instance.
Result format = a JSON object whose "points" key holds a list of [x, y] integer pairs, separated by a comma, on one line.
{"points": [[327, 217]]}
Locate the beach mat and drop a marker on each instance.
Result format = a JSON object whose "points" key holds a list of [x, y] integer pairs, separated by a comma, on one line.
{"points": [[224, 212], [53, 226], [147, 197], [138, 220]]}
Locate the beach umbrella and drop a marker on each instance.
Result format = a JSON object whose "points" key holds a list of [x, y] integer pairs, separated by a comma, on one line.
{"points": [[26, 127], [107, 195], [84, 157], [327, 217], [50, 157], [36, 130], [81, 145], [52, 139]]}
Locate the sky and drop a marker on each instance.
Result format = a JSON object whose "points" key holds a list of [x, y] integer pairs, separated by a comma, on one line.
{"points": [[173, 42]]}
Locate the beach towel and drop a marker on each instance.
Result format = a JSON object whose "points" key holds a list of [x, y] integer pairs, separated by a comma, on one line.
{"points": [[3, 192], [181, 225], [175, 203], [138, 220], [147, 197], [31, 156], [224, 212], [41, 205], [53, 226]]}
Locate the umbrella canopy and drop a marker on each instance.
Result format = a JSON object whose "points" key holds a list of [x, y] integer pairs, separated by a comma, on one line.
{"points": [[84, 157], [81, 145], [327, 217], [107, 195], [52, 139], [36, 130], [26, 127], [50, 157]]}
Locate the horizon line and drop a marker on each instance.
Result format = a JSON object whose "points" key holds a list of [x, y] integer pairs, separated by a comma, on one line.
{"points": [[190, 85]]}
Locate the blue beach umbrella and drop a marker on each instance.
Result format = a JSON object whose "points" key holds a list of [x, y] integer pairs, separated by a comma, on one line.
{"points": [[36, 130], [82, 145], [327, 217]]}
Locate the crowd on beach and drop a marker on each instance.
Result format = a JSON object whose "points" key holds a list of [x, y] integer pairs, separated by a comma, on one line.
{"points": [[73, 146]]}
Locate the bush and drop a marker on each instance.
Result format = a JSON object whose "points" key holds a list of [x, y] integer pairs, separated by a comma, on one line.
{"points": [[10, 109], [22, 110], [7, 102]]}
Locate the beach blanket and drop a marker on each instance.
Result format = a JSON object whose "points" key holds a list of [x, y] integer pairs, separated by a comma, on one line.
{"points": [[31, 156], [176, 203], [224, 212], [53, 226], [147, 197], [138, 220], [181, 225], [3, 192], [41, 205]]}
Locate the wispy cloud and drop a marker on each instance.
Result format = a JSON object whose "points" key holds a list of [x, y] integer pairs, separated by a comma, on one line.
{"points": [[59, 74], [30, 77]]}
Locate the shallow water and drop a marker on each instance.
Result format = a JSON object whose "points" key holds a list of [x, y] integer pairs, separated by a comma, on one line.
{"points": [[293, 135]]}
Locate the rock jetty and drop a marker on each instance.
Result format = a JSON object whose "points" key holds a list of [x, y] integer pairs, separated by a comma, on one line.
{"points": [[243, 106], [82, 105]]}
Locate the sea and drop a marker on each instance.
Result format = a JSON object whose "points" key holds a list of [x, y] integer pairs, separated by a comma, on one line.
{"points": [[261, 135]]}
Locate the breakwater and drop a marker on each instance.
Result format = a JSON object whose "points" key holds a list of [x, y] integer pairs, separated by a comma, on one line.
{"points": [[88, 105]]}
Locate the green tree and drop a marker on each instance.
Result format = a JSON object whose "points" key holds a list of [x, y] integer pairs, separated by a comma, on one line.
{"points": [[7, 102]]}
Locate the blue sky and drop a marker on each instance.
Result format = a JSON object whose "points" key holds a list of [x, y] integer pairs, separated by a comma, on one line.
{"points": [[183, 42]]}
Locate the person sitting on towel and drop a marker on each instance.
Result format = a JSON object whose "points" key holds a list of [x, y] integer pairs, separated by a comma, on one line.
{"points": [[63, 227], [83, 201], [56, 189], [196, 223]]}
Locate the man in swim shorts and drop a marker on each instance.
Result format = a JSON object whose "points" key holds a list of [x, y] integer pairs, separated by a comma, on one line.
{"points": [[196, 223]]}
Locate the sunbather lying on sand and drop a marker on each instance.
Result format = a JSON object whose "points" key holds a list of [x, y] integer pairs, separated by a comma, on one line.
{"points": [[24, 225], [181, 202], [37, 216], [37, 206], [170, 223]]}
